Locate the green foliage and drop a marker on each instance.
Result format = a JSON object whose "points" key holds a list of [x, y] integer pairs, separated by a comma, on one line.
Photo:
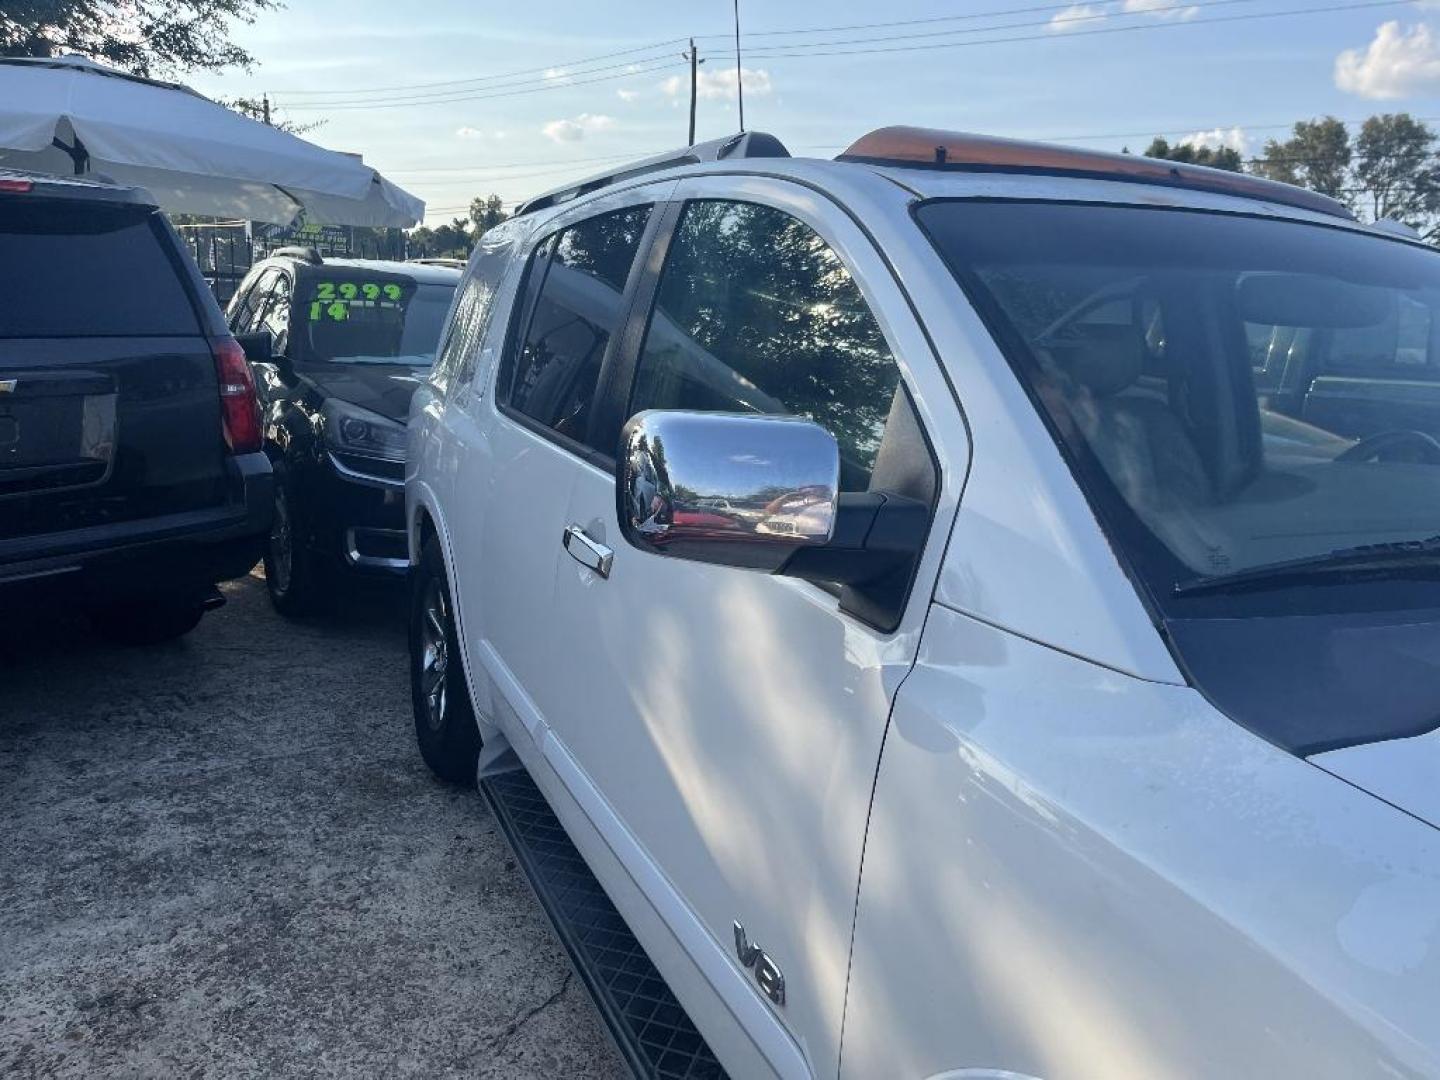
{"points": [[1222, 157], [1395, 166], [486, 213], [1388, 170], [146, 37], [457, 238], [452, 241], [1316, 156]]}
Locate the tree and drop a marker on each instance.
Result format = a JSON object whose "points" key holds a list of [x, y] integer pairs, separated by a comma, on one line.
{"points": [[1317, 156], [1395, 165], [141, 36], [1217, 157], [443, 241], [259, 110], [486, 213]]}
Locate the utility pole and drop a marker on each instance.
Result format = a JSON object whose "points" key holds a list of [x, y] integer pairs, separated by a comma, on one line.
{"points": [[739, 72], [695, 63], [265, 108]]}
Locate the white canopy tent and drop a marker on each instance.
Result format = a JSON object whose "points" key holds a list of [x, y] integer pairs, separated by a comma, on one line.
{"points": [[70, 115]]}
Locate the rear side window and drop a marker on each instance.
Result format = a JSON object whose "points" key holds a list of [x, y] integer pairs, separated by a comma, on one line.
{"points": [[577, 310], [69, 269], [756, 313], [470, 319]]}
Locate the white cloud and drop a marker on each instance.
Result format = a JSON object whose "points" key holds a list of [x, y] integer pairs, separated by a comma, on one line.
{"points": [[1397, 63], [1234, 138], [719, 84], [1162, 9], [468, 132], [573, 130], [556, 74], [1074, 17], [626, 95]]}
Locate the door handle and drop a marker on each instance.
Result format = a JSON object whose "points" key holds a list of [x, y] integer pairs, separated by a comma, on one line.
{"points": [[587, 552]]}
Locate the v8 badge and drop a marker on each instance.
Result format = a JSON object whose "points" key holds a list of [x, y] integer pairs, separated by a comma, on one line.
{"points": [[767, 973]]}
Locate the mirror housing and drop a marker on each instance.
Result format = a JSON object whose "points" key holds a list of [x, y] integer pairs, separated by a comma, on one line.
{"points": [[736, 489], [259, 346]]}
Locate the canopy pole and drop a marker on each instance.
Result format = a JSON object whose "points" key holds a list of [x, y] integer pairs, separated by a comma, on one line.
{"points": [[79, 156]]}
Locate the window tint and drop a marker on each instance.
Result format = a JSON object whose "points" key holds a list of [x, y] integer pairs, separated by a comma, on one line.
{"points": [[756, 313], [578, 308], [347, 316], [67, 269]]}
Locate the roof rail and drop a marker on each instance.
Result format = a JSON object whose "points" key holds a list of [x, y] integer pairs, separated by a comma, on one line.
{"points": [[748, 144], [957, 150], [297, 251]]}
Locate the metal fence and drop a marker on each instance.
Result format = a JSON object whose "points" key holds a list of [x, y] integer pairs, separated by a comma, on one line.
{"points": [[225, 251]]}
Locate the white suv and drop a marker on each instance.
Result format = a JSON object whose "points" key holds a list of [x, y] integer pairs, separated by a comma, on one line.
{"points": [[975, 606]]}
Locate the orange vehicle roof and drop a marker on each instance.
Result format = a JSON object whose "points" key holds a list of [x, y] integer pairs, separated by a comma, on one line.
{"points": [[934, 148]]}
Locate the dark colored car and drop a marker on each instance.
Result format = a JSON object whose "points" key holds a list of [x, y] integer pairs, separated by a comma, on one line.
{"points": [[131, 472], [337, 346]]}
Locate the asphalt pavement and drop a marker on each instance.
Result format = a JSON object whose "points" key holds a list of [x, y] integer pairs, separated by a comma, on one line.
{"points": [[223, 857]]}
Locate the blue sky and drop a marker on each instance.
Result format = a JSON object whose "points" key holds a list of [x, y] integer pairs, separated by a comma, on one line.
{"points": [[451, 100]]}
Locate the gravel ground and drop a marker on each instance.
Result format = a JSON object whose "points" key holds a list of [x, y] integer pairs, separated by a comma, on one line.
{"points": [[223, 857]]}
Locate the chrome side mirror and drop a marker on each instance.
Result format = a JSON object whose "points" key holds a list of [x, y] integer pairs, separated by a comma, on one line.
{"points": [[743, 490]]}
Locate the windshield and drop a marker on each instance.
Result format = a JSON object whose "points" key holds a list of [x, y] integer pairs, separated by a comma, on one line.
{"points": [[352, 317], [1246, 391]]}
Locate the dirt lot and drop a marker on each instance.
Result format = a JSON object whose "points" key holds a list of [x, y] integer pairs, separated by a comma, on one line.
{"points": [[223, 857]]}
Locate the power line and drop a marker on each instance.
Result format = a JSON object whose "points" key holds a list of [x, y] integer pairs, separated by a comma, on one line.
{"points": [[1058, 25], [798, 52], [553, 77], [509, 165], [582, 62], [971, 17], [554, 84], [499, 80]]}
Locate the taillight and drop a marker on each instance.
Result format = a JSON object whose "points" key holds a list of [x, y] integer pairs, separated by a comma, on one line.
{"points": [[18, 186], [239, 406]]}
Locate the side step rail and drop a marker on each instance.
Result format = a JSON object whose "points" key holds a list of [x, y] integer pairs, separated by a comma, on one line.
{"points": [[651, 1030]]}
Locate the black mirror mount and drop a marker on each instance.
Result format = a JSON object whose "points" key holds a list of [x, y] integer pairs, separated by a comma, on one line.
{"points": [[259, 346]]}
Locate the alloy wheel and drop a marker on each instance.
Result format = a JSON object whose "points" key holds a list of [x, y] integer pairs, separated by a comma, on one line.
{"points": [[434, 655]]}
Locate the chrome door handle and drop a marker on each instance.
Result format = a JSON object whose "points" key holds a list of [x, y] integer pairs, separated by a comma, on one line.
{"points": [[587, 552]]}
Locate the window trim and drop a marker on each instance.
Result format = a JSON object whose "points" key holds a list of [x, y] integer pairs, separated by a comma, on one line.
{"points": [[527, 297]]}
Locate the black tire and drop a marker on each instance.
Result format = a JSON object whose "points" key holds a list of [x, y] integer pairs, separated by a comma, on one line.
{"points": [[147, 620], [296, 581], [444, 719]]}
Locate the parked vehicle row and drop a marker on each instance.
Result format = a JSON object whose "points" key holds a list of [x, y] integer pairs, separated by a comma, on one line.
{"points": [[337, 346], [971, 604], [131, 472]]}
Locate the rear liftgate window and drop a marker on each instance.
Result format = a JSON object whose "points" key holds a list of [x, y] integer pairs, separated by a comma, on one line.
{"points": [[72, 270]]}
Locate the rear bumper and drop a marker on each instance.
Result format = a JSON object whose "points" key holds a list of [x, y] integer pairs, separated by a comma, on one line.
{"points": [[189, 550]]}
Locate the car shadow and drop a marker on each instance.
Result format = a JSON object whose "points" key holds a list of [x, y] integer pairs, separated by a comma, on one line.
{"points": [[38, 630]]}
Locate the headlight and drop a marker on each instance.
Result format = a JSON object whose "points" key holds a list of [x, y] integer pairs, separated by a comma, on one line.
{"points": [[353, 430]]}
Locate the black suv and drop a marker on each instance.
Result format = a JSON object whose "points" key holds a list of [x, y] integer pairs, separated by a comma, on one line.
{"points": [[131, 474], [337, 346]]}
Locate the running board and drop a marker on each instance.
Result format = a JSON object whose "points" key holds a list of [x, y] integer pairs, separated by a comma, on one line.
{"points": [[651, 1030]]}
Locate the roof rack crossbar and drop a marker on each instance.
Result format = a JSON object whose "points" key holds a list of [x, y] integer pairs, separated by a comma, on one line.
{"points": [[747, 144]]}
